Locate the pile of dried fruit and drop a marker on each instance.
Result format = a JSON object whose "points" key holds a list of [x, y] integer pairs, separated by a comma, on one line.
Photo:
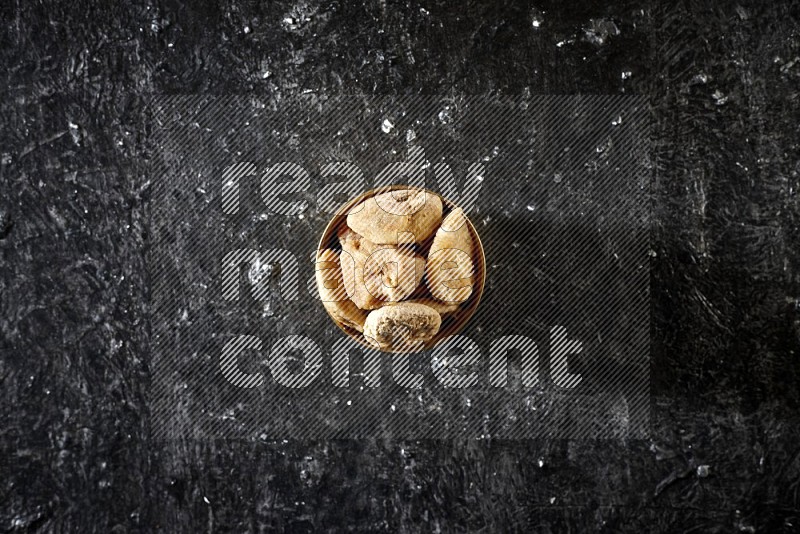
{"points": [[390, 242]]}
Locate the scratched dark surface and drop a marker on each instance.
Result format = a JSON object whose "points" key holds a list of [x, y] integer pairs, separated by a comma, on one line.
{"points": [[75, 443]]}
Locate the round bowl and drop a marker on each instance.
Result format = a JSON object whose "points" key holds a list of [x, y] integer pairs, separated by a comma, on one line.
{"points": [[451, 323]]}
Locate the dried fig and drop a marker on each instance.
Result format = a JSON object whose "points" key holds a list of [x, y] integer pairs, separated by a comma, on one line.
{"points": [[449, 268], [389, 217], [332, 291], [401, 327]]}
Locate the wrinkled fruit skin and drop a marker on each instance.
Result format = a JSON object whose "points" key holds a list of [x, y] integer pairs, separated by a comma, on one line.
{"points": [[332, 291], [389, 218], [450, 270], [374, 274], [402, 327]]}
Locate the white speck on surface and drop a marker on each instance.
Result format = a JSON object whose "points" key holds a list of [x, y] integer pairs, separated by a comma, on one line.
{"points": [[703, 470], [617, 121], [489, 157], [626, 74], [537, 18], [600, 30], [411, 135], [445, 115], [205, 499], [719, 97], [349, 403], [557, 177], [531, 207], [387, 126], [258, 271]]}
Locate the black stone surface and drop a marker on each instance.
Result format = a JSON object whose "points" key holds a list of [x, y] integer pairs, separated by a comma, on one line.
{"points": [[76, 451]]}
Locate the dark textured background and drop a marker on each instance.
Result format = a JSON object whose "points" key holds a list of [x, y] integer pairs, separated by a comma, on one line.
{"points": [[74, 328]]}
